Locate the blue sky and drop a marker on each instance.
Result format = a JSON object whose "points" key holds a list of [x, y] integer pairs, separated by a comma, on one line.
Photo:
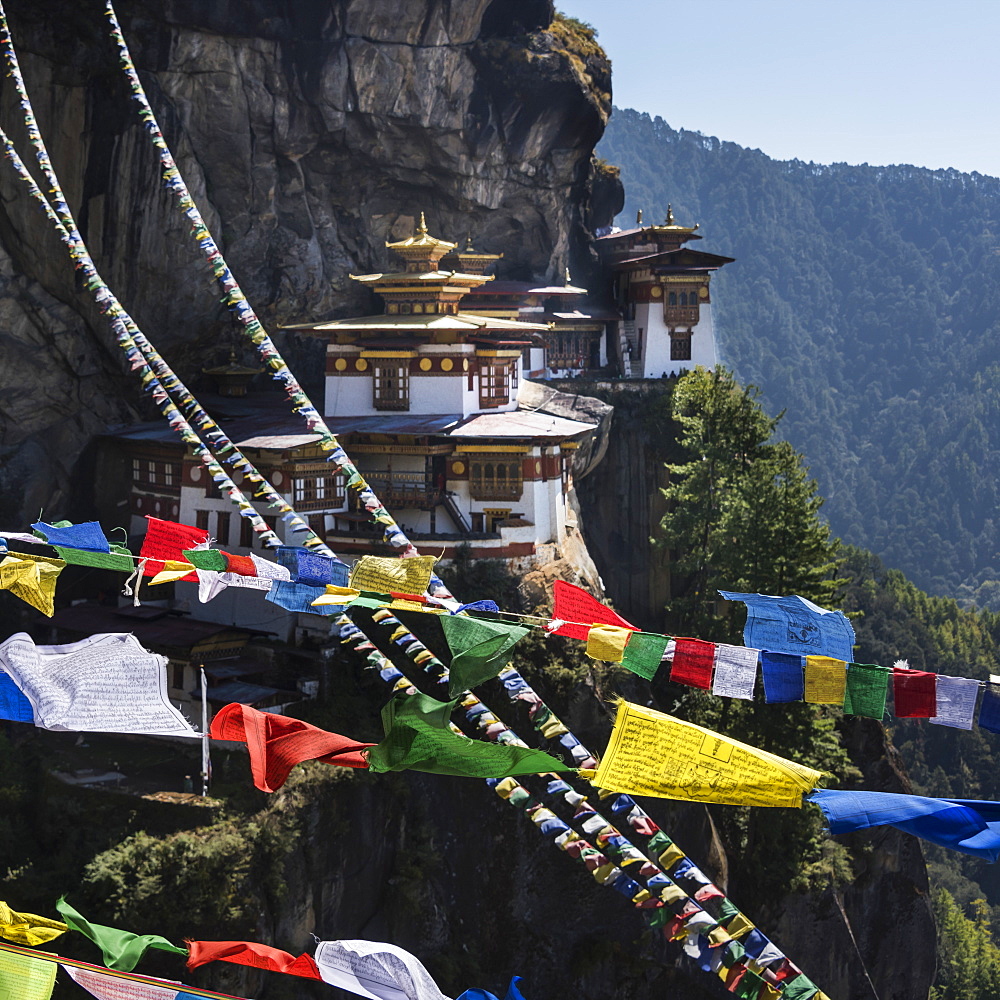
{"points": [[879, 82]]}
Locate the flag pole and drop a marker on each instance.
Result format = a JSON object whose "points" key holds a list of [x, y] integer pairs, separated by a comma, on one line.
{"points": [[206, 763]]}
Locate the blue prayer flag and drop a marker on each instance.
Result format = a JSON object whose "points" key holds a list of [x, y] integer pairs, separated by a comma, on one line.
{"points": [[87, 535], [294, 596], [14, 706], [794, 625], [989, 711], [784, 678]]}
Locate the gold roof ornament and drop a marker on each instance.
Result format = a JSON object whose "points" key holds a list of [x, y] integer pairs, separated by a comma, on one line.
{"points": [[638, 217], [569, 280], [670, 224]]}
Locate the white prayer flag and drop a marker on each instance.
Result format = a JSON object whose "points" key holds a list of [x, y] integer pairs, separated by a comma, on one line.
{"points": [[375, 970], [955, 701], [106, 684], [735, 671], [108, 987]]}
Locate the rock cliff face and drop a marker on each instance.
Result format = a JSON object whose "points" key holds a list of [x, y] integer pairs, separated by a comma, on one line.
{"points": [[309, 133]]}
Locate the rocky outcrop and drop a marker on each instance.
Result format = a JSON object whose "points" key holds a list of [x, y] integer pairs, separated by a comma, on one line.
{"points": [[309, 133]]}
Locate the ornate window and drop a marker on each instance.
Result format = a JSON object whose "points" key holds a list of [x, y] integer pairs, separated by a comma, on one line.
{"points": [[494, 384], [495, 477], [317, 487], [680, 348], [391, 385]]}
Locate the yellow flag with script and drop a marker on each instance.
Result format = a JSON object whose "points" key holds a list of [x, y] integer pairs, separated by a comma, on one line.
{"points": [[27, 928], [384, 575], [24, 977], [650, 753]]}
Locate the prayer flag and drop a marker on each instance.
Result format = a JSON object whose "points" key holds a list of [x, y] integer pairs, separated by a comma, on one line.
{"points": [[693, 660], [27, 928], [13, 705], [825, 680], [914, 693], [87, 535], [257, 956], [578, 611], [277, 743], [118, 559], [989, 710], [867, 685], [300, 597], [644, 653], [32, 578], [651, 753], [480, 649], [735, 671], [607, 642], [168, 540], [105, 683], [794, 625], [240, 565], [212, 559], [122, 950], [23, 977], [799, 988], [312, 568], [375, 970], [783, 676], [513, 992], [417, 737], [105, 986], [967, 825], [384, 575], [955, 701]]}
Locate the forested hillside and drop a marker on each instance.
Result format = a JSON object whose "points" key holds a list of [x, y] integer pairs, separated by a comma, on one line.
{"points": [[865, 302]]}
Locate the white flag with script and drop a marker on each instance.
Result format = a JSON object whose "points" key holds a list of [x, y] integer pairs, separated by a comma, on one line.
{"points": [[105, 684], [375, 970]]}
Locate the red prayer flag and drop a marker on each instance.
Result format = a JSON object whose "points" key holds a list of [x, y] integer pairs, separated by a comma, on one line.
{"points": [[167, 540], [259, 956], [707, 892], [915, 693], [241, 565], [277, 743], [693, 659], [643, 825], [736, 973], [573, 604]]}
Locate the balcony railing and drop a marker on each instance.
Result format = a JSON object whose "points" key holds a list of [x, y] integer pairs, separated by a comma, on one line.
{"points": [[680, 315], [404, 489]]}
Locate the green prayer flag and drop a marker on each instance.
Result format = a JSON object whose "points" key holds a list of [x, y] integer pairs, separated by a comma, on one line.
{"points": [[799, 988], [369, 600], [749, 987], [119, 558], [417, 738], [121, 949], [727, 910], [866, 688], [212, 559], [644, 652], [480, 649], [734, 952], [658, 843], [660, 917]]}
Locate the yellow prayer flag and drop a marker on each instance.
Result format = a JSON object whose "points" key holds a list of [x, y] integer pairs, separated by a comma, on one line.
{"points": [[603, 872], [719, 935], [505, 787], [384, 575], [336, 596], [32, 578], [28, 928], [607, 642], [641, 896], [769, 992], [739, 926], [552, 728], [670, 857], [826, 680], [173, 570], [25, 977], [651, 753], [672, 893]]}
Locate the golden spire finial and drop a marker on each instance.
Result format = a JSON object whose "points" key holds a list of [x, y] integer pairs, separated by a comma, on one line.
{"points": [[638, 217], [670, 215], [569, 280], [468, 242], [422, 228]]}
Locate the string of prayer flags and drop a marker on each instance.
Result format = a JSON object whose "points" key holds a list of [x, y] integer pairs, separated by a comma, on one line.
{"points": [[825, 680], [914, 693], [23, 977], [955, 701], [383, 575], [866, 689], [32, 578], [651, 753], [14, 707], [277, 743], [794, 625], [577, 611], [693, 661], [375, 970], [783, 676], [735, 671], [257, 956], [418, 737], [89, 535], [121, 950], [28, 928], [104, 683], [966, 825], [607, 642], [644, 653], [168, 540], [480, 649]]}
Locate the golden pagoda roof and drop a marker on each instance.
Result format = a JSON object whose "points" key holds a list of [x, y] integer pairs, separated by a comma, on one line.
{"points": [[421, 241], [669, 225], [428, 277], [461, 322]]}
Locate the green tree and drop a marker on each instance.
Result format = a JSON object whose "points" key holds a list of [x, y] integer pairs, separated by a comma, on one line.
{"points": [[968, 961], [742, 512]]}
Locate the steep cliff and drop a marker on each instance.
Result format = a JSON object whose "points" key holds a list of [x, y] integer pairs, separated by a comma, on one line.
{"points": [[309, 132]]}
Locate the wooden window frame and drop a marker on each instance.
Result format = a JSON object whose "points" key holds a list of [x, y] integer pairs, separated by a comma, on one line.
{"points": [[494, 383], [391, 384], [317, 487], [495, 477]]}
